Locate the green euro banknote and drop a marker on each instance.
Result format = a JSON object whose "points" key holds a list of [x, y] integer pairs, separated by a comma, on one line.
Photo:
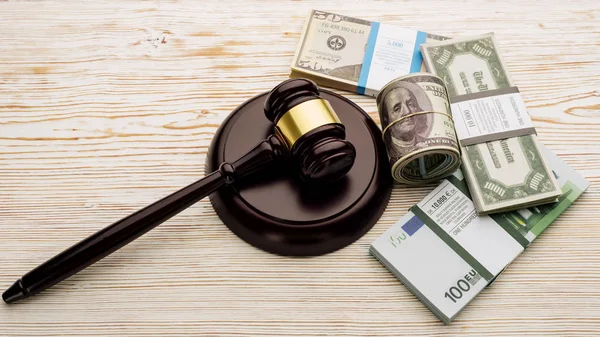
{"points": [[446, 254]]}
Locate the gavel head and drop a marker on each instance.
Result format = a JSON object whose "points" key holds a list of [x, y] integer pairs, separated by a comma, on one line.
{"points": [[311, 130]]}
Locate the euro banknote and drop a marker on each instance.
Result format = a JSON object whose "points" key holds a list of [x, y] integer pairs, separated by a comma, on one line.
{"points": [[446, 254]]}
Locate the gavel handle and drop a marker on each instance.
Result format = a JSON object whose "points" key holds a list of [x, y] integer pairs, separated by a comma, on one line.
{"points": [[122, 232]]}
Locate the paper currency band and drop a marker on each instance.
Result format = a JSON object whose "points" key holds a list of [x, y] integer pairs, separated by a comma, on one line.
{"points": [[414, 114], [304, 118]]}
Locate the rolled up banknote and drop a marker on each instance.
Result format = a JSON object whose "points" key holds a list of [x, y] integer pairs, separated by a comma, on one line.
{"points": [[418, 130]]}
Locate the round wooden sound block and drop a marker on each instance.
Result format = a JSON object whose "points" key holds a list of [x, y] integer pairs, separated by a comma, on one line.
{"points": [[275, 211]]}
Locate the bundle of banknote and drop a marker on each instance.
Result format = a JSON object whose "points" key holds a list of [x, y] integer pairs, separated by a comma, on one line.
{"points": [[356, 55], [503, 174], [418, 131], [445, 253]]}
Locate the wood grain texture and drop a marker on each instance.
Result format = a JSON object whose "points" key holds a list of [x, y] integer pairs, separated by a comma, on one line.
{"points": [[108, 106]]}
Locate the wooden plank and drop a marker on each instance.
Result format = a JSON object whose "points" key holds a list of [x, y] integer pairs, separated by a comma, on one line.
{"points": [[106, 107]]}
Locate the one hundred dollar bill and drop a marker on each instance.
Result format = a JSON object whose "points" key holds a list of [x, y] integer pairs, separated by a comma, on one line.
{"points": [[502, 174], [446, 254], [356, 55], [418, 131]]}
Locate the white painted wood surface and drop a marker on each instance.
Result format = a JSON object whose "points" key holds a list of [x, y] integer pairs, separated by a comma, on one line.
{"points": [[108, 106]]}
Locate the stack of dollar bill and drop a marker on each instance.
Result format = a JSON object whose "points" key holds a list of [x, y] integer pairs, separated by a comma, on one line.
{"points": [[356, 55], [503, 174], [445, 253]]}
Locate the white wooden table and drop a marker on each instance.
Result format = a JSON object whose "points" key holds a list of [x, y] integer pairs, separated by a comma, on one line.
{"points": [[108, 106]]}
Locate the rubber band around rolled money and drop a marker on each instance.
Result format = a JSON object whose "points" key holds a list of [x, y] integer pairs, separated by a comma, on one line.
{"points": [[411, 115], [420, 156]]}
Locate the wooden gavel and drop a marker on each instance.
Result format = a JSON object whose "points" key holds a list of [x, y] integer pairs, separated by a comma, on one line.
{"points": [[306, 131]]}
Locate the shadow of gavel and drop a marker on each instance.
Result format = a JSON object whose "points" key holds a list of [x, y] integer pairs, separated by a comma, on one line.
{"points": [[307, 132]]}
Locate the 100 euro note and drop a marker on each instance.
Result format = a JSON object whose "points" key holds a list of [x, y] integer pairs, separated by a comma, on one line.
{"points": [[446, 254], [502, 174]]}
